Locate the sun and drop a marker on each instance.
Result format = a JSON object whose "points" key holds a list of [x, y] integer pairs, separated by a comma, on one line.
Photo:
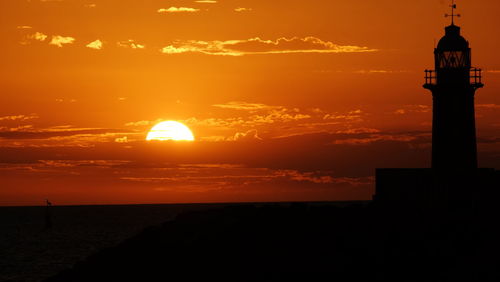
{"points": [[170, 130]]}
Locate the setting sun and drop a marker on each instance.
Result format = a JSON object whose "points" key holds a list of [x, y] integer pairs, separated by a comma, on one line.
{"points": [[170, 130]]}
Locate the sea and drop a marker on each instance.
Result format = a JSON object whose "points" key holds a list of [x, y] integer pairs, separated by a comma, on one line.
{"points": [[29, 251]]}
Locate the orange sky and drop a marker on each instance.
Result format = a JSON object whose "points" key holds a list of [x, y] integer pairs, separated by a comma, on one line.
{"points": [[288, 100]]}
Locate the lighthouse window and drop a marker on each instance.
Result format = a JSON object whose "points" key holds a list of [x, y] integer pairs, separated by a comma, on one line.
{"points": [[453, 59]]}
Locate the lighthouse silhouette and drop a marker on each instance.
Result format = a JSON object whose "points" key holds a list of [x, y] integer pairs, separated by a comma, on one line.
{"points": [[454, 180], [453, 84]]}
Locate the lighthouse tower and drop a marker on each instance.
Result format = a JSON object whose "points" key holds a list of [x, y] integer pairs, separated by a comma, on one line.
{"points": [[454, 183], [453, 84]]}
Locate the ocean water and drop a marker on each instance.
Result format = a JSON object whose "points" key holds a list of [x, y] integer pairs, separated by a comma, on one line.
{"points": [[29, 252]]}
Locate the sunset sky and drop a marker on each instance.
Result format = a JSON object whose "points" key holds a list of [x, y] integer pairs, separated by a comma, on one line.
{"points": [[288, 100]]}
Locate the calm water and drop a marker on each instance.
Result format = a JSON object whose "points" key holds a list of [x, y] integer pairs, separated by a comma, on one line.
{"points": [[30, 253]]}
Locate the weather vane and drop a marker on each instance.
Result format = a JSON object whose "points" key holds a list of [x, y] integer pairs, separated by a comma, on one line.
{"points": [[453, 15]]}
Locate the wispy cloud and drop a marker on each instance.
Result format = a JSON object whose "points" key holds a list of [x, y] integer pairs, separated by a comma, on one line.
{"points": [[259, 46], [363, 71], [178, 10], [372, 137], [59, 40], [267, 117], [18, 117], [379, 71], [243, 9], [130, 44], [348, 116], [97, 44], [19, 128], [141, 123], [488, 106], [250, 135], [359, 130], [235, 105], [123, 139], [38, 36], [58, 132], [206, 1], [230, 177], [413, 109], [24, 27]]}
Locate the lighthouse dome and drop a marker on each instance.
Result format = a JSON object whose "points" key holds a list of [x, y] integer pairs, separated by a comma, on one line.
{"points": [[453, 41]]}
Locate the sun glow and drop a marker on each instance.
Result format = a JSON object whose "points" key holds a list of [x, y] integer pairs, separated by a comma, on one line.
{"points": [[170, 130]]}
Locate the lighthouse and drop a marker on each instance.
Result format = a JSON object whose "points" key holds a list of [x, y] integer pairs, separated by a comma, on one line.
{"points": [[453, 84], [454, 182]]}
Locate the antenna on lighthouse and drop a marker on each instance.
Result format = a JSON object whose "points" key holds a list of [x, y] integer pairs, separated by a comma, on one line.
{"points": [[453, 7]]}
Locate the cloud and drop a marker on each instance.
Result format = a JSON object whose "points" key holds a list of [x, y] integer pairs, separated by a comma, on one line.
{"points": [[413, 109], [97, 44], [247, 136], [130, 44], [379, 71], [206, 1], [243, 9], [59, 40], [178, 10], [60, 100], [177, 50], [83, 163], [16, 128], [244, 106], [38, 36], [358, 130], [229, 177], [369, 138], [278, 115], [254, 46], [143, 122], [54, 132], [363, 71], [18, 117], [123, 139], [24, 27], [90, 5], [274, 121], [354, 115], [488, 106], [256, 114], [319, 177], [216, 138], [267, 117], [239, 175]]}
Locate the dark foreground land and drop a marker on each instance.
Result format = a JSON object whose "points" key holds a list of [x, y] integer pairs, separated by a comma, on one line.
{"points": [[303, 242]]}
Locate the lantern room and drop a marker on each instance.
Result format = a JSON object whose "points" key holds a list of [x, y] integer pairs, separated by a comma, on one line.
{"points": [[453, 50]]}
